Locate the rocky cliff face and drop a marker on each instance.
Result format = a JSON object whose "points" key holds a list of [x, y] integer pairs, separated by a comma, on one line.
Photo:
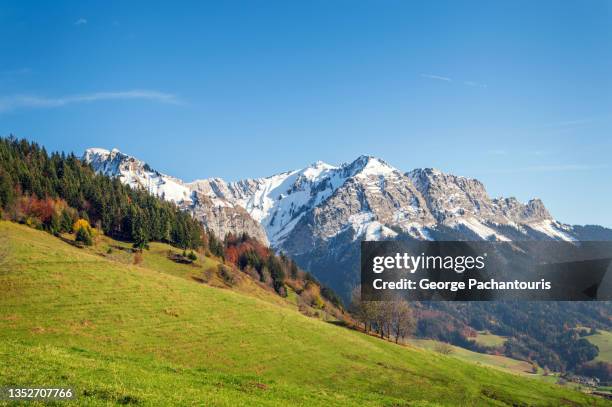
{"points": [[371, 200], [451, 198], [225, 218]]}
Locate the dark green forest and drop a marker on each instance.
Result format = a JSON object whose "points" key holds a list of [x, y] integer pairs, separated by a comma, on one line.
{"points": [[51, 191], [544, 332]]}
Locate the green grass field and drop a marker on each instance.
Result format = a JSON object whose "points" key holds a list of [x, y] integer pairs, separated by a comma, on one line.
{"points": [[603, 340], [496, 361], [156, 259], [489, 339], [151, 335]]}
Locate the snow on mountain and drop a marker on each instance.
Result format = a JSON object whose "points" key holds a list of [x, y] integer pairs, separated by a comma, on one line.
{"points": [[553, 229], [217, 214], [367, 227], [460, 202], [367, 198], [137, 174], [280, 202]]}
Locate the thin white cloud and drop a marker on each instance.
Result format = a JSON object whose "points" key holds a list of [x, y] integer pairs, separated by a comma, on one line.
{"points": [[436, 77], [475, 84], [27, 101], [449, 79], [81, 21]]}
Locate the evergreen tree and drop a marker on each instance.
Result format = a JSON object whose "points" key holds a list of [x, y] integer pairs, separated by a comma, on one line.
{"points": [[276, 272], [6, 189], [66, 221], [83, 235], [28, 171], [139, 236]]}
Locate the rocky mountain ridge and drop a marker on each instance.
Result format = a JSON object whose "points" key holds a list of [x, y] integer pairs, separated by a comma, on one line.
{"points": [[320, 213], [377, 201], [368, 196]]}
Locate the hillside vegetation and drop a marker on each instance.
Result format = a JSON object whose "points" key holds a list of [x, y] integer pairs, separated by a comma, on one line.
{"points": [[150, 334], [603, 340]]}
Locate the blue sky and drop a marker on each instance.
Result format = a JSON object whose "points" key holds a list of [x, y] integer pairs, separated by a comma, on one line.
{"points": [[517, 94]]}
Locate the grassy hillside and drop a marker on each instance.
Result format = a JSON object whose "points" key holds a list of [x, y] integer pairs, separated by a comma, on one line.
{"points": [[489, 339], [603, 340], [157, 259], [149, 334], [497, 361]]}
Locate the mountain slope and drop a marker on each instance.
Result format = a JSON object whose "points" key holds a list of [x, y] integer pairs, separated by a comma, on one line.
{"points": [[137, 174], [129, 334]]}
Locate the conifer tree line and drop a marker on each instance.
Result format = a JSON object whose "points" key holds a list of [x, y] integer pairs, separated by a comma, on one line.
{"points": [[53, 191]]}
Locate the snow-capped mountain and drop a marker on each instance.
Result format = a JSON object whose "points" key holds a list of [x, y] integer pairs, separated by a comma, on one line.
{"points": [[137, 174], [218, 215], [374, 200], [367, 196], [320, 213], [279, 202]]}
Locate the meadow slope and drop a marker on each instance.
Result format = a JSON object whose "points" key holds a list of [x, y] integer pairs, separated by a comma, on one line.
{"points": [[120, 333], [603, 340]]}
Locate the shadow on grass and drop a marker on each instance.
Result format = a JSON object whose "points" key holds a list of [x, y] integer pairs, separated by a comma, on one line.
{"points": [[70, 242], [343, 324], [122, 248], [180, 259]]}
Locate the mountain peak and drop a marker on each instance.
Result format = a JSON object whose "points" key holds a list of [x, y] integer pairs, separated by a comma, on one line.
{"points": [[319, 164], [316, 170], [367, 165], [96, 151], [429, 171], [535, 209], [97, 154]]}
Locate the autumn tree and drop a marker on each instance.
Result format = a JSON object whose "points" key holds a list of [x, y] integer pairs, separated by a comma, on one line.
{"points": [[83, 235]]}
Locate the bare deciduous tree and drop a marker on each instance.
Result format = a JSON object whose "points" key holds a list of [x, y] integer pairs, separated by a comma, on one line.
{"points": [[392, 316], [402, 319], [363, 311]]}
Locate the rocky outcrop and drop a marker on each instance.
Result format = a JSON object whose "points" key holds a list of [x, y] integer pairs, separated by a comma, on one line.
{"points": [[224, 219]]}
